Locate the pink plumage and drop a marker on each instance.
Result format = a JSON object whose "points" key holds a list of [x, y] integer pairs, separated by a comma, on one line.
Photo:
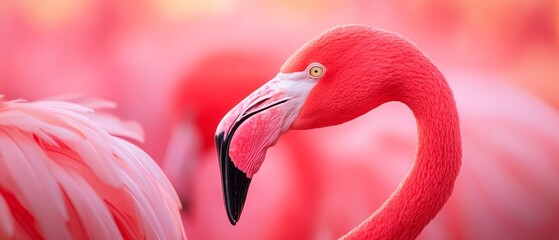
{"points": [[64, 174]]}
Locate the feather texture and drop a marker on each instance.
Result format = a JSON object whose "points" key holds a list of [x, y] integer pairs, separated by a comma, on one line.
{"points": [[64, 173]]}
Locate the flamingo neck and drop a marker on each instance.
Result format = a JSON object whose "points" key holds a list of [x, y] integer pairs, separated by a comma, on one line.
{"points": [[429, 183]]}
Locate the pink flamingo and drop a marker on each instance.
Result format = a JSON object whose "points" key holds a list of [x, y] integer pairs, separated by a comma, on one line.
{"points": [[497, 121], [338, 76], [65, 175]]}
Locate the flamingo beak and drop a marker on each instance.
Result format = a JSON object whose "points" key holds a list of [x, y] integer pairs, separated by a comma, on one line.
{"points": [[234, 181], [249, 129]]}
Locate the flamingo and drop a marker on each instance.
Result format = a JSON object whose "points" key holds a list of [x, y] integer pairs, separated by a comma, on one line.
{"points": [[64, 174], [504, 191], [336, 77]]}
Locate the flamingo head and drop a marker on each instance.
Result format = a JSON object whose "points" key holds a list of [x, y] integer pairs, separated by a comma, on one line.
{"points": [[323, 83]]}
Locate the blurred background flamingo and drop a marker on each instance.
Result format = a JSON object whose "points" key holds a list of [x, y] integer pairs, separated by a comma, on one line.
{"points": [[64, 175], [125, 51]]}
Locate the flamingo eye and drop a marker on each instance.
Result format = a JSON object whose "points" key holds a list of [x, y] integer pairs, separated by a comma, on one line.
{"points": [[316, 71]]}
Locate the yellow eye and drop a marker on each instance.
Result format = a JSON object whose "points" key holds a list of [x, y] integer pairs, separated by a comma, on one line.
{"points": [[316, 71]]}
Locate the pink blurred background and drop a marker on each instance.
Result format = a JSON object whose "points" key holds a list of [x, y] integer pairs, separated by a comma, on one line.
{"points": [[137, 53], [133, 52]]}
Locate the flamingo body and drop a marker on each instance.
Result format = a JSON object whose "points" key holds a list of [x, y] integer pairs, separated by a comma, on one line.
{"points": [[64, 175]]}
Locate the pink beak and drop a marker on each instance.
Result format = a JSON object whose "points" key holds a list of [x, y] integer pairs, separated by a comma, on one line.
{"points": [[242, 138]]}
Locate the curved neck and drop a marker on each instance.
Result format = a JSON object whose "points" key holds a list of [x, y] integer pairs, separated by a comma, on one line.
{"points": [[430, 182]]}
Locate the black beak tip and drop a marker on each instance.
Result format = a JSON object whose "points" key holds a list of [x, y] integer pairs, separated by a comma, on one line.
{"points": [[233, 219], [235, 183]]}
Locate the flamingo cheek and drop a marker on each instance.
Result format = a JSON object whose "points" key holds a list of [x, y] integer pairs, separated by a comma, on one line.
{"points": [[253, 138]]}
